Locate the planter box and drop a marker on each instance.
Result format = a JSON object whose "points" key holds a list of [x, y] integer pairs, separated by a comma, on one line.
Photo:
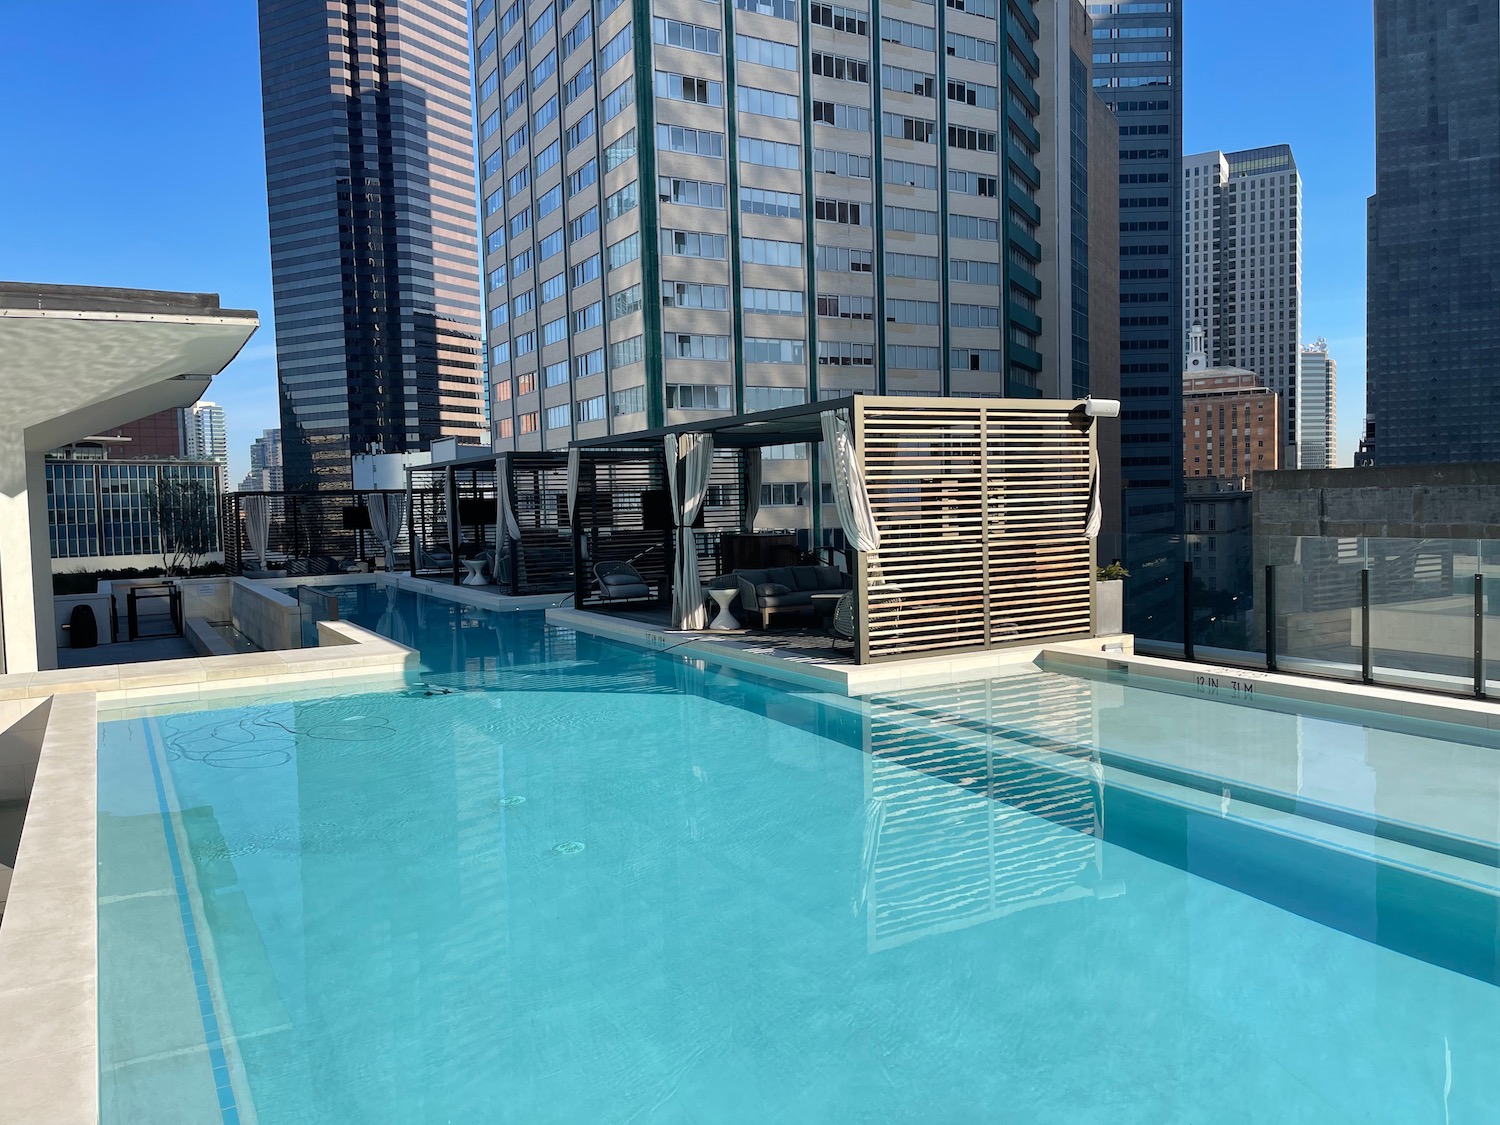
{"points": [[1109, 602]]}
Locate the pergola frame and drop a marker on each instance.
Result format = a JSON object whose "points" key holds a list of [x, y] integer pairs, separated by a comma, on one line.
{"points": [[982, 507]]}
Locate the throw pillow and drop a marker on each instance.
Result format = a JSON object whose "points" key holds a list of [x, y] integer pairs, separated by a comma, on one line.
{"points": [[771, 589]]}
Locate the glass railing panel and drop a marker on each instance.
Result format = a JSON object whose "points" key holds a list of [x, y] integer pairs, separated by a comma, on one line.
{"points": [[1422, 626], [1317, 602], [1223, 597]]}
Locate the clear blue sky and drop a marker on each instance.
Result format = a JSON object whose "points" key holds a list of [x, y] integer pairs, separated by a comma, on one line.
{"points": [[133, 156]]}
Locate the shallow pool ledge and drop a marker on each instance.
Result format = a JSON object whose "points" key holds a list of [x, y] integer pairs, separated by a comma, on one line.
{"points": [[49, 1037], [344, 652], [49, 1026]]}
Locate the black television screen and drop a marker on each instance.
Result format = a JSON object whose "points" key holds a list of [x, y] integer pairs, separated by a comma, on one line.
{"points": [[656, 511], [356, 519], [476, 511]]}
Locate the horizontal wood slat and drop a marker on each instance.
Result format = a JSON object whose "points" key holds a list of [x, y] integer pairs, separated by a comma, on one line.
{"points": [[981, 510]]}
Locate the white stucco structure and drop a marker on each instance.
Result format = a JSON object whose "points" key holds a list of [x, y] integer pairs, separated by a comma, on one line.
{"points": [[75, 360]]}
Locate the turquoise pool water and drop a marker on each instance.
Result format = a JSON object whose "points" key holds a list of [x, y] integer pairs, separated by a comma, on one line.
{"points": [[568, 881]]}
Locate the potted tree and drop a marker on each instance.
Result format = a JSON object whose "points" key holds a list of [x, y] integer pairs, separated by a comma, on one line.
{"points": [[1109, 593]]}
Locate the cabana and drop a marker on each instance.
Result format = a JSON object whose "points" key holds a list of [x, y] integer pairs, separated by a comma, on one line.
{"points": [[507, 512], [967, 524]]}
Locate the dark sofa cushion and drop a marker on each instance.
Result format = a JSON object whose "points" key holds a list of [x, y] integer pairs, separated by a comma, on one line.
{"points": [[784, 575], [771, 589], [806, 576], [830, 578], [790, 600]]}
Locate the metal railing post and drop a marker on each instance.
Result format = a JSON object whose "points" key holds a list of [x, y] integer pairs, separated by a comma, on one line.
{"points": [[1479, 636], [1187, 609], [1270, 619], [1366, 668]]}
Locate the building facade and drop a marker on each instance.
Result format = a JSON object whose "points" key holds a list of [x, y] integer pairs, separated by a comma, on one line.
{"points": [[1219, 531], [693, 210], [371, 182], [1242, 270], [100, 511], [1434, 234], [157, 435], [265, 473], [1079, 232], [1138, 72], [205, 436], [1317, 385]]}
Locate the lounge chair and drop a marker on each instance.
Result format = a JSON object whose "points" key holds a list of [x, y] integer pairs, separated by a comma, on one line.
{"points": [[620, 582], [435, 559]]}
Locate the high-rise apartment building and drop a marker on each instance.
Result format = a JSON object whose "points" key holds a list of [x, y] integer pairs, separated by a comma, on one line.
{"points": [[1434, 234], [1317, 387], [1138, 71], [265, 473], [1242, 270], [204, 433], [370, 175], [696, 209]]}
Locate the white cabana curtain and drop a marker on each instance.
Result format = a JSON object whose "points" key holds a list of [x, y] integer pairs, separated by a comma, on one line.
{"points": [[752, 487], [257, 511], [573, 467], [696, 453], [508, 528], [1095, 519], [849, 493], [450, 497], [387, 515]]}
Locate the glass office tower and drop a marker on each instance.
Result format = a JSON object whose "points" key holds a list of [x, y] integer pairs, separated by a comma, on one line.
{"points": [[1138, 72], [370, 176], [693, 209], [1434, 242]]}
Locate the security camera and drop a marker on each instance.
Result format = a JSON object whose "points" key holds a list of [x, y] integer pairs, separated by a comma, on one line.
{"points": [[1101, 407]]}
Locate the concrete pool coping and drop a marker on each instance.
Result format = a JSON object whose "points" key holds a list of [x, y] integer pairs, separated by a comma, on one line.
{"points": [[49, 1029], [751, 653]]}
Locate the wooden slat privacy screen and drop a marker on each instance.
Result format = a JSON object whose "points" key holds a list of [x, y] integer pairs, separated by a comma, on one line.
{"points": [[981, 508]]}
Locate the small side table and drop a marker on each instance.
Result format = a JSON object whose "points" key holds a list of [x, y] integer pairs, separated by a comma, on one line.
{"points": [[724, 598], [476, 576]]}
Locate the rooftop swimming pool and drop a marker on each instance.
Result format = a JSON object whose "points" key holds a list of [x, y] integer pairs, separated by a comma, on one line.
{"points": [[565, 880]]}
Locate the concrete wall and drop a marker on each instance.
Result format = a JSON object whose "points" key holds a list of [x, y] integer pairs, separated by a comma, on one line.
{"points": [[1384, 502], [268, 617]]}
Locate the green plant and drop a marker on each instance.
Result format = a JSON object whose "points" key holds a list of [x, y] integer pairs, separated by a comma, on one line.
{"points": [[185, 512], [1114, 572]]}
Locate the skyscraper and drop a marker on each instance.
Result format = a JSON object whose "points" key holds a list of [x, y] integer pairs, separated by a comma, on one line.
{"points": [[205, 436], [1317, 386], [696, 209], [1434, 242], [1242, 271], [265, 464], [370, 175], [1138, 71]]}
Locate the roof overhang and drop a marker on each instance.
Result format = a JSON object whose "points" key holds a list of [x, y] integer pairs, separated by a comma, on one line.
{"points": [[68, 372]]}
